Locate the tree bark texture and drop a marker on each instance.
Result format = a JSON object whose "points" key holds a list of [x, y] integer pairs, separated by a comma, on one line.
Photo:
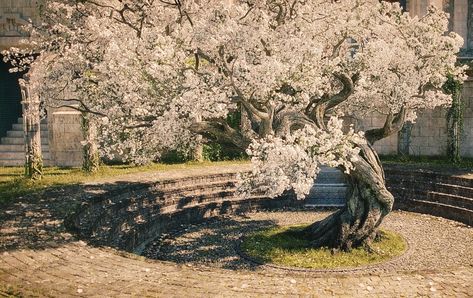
{"points": [[197, 153], [32, 131], [91, 158], [198, 150], [368, 202]]}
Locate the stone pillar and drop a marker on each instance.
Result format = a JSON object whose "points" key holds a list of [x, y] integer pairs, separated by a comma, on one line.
{"points": [[32, 130], [469, 21], [467, 137], [404, 139], [65, 137], [386, 146], [419, 7], [459, 18]]}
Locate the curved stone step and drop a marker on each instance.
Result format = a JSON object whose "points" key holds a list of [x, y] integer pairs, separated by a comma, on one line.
{"points": [[424, 178], [182, 184], [442, 210], [450, 199], [452, 189]]}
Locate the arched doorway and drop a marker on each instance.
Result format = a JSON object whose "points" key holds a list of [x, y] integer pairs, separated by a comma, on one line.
{"points": [[10, 98]]}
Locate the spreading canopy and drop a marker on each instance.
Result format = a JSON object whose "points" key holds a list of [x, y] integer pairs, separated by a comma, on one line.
{"points": [[155, 73]]}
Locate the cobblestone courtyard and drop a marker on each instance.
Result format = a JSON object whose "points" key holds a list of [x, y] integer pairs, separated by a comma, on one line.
{"points": [[38, 257]]}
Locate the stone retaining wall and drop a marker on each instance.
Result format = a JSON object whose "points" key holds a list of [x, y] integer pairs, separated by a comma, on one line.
{"points": [[430, 192], [129, 216]]}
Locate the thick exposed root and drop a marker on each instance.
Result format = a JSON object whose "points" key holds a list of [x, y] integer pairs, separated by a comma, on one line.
{"points": [[333, 232], [367, 204]]}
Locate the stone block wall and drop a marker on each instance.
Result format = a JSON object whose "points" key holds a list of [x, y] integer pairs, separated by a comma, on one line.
{"points": [[387, 146], [467, 137], [428, 135], [65, 136], [13, 15]]}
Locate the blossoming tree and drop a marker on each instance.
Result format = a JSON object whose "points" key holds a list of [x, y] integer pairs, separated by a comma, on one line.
{"points": [[156, 73]]}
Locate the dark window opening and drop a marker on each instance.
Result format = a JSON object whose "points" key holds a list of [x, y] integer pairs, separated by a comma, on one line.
{"points": [[403, 4], [10, 98]]}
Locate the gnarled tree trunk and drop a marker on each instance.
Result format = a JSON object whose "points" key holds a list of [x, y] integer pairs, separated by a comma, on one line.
{"points": [[91, 158], [368, 202]]}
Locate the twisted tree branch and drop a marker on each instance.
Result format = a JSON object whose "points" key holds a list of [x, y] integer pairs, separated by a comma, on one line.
{"points": [[393, 124]]}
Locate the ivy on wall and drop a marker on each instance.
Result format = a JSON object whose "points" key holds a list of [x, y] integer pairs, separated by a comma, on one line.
{"points": [[454, 119]]}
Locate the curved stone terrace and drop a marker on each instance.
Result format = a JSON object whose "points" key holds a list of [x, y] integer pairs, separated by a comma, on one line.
{"points": [[40, 257]]}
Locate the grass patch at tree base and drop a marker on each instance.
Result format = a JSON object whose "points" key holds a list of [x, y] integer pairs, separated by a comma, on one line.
{"points": [[278, 246]]}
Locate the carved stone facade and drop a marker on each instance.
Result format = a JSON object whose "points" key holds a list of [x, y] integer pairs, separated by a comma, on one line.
{"points": [[63, 132], [13, 15]]}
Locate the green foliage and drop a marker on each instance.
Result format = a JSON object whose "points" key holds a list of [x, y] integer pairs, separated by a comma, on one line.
{"points": [[279, 246], [91, 160], [10, 291], [454, 118], [219, 152], [174, 157], [213, 151], [234, 119]]}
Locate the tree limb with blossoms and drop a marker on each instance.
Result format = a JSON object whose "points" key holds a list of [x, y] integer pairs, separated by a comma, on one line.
{"points": [[156, 73]]}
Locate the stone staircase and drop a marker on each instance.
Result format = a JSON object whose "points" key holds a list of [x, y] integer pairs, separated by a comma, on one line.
{"points": [[12, 147], [129, 215], [432, 193], [329, 189]]}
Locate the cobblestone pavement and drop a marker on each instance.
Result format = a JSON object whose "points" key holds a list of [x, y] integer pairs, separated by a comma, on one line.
{"points": [[39, 258]]}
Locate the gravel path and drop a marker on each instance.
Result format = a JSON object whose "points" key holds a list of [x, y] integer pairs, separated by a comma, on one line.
{"points": [[434, 243]]}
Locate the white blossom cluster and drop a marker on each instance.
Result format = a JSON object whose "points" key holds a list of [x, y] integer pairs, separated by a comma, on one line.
{"points": [[149, 71], [293, 162]]}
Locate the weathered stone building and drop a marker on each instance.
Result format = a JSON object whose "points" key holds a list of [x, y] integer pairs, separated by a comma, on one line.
{"points": [[61, 131], [428, 136]]}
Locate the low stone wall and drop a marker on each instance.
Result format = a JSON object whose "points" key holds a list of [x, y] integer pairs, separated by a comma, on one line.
{"points": [[431, 192], [129, 216], [64, 137]]}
